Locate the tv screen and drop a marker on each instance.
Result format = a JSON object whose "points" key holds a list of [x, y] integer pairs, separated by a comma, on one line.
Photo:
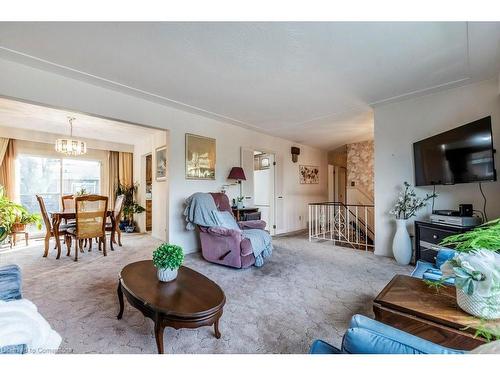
{"points": [[463, 154]]}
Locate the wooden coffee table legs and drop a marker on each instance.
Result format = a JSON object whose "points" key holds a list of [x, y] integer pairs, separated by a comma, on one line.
{"points": [[216, 328], [159, 336], [120, 299], [161, 321]]}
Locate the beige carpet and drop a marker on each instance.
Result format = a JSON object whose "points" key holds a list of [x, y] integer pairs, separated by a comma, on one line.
{"points": [[307, 291]]}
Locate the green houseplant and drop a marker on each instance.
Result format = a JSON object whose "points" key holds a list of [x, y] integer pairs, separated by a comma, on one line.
{"points": [[130, 206], [14, 217], [167, 259], [476, 269]]}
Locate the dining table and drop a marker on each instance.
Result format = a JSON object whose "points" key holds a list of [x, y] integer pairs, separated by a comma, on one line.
{"points": [[70, 214]]}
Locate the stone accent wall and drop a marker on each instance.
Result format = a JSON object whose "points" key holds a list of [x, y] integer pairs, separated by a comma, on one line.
{"points": [[360, 157]]}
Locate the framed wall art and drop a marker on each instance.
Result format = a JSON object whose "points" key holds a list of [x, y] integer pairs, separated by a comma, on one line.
{"points": [[200, 157]]}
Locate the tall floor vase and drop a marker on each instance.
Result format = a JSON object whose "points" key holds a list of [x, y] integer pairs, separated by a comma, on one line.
{"points": [[401, 245]]}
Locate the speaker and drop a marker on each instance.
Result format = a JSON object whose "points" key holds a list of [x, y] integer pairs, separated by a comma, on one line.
{"points": [[465, 210]]}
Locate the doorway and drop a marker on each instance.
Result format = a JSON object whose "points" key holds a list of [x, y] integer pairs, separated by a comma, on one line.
{"points": [[149, 193], [259, 188], [337, 184]]}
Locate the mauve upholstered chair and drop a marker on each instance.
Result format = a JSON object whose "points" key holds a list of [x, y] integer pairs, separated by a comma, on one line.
{"points": [[227, 246]]}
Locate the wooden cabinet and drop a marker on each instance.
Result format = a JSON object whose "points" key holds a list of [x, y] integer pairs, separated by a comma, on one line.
{"points": [[428, 236], [149, 215], [149, 170]]}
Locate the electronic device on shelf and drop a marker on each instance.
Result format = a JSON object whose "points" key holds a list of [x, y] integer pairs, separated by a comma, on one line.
{"points": [[459, 221], [446, 212]]}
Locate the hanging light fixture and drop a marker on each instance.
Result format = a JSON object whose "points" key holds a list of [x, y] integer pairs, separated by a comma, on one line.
{"points": [[70, 146]]}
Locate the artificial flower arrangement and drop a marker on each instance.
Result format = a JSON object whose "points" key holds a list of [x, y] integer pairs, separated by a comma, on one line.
{"points": [[476, 269], [409, 203]]}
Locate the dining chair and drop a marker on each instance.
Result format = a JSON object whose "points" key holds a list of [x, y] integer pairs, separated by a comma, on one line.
{"points": [[49, 229], [91, 212], [68, 203], [114, 228]]}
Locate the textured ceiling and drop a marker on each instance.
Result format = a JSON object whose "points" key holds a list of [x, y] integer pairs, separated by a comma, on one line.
{"points": [[314, 83]]}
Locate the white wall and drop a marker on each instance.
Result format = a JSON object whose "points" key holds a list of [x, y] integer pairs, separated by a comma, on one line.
{"points": [[400, 124], [24, 82]]}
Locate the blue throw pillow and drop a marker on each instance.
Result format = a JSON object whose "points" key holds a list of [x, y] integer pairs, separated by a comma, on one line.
{"points": [[225, 219]]}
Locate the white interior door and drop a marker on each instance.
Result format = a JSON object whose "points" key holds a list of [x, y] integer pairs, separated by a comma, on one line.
{"points": [[331, 183], [279, 198], [264, 192], [247, 186]]}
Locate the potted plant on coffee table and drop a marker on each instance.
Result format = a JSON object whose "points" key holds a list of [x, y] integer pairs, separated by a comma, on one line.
{"points": [[167, 259], [476, 269]]}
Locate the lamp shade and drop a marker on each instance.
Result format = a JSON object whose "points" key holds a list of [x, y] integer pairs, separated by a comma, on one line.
{"points": [[237, 173]]}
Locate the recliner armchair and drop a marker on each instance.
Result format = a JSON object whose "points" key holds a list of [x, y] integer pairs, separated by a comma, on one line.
{"points": [[227, 246]]}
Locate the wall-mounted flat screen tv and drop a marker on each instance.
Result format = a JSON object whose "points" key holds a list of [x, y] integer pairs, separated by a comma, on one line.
{"points": [[463, 154]]}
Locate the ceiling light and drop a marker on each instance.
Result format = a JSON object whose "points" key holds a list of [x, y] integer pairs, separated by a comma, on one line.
{"points": [[70, 146]]}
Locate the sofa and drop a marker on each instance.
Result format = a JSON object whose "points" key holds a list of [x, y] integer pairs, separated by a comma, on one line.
{"points": [[227, 246], [10, 289], [368, 336]]}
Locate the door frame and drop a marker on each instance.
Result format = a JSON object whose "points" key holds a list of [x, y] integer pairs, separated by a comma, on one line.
{"points": [[272, 227]]}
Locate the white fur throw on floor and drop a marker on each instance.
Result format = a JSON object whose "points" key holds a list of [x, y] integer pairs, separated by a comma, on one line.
{"points": [[20, 323]]}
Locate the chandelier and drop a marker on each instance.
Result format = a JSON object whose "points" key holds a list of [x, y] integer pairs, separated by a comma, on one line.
{"points": [[70, 146]]}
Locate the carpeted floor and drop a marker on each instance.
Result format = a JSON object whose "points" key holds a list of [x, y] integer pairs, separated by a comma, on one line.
{"points": [[307, 291]]}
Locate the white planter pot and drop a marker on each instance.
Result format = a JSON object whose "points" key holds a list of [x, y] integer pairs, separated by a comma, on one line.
{"points": [[481, 307], [240, 205], [166, 274], [401, 245]]}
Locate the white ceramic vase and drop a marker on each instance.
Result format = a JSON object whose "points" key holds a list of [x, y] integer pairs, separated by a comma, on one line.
{"points": [[166, 274], [401, 244]]}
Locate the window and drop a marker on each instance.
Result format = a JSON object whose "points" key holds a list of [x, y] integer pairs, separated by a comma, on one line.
{"points": [[51, 177], [81, 174]]}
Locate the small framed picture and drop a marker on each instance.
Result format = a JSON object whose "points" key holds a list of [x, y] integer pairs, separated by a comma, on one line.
{"points": [[161, 163]]}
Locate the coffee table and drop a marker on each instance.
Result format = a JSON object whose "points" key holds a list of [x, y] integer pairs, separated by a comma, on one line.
{"points": [[190, 301], [407, 303]]}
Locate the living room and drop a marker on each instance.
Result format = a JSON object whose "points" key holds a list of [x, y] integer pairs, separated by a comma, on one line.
{"points": [[364, 240]]}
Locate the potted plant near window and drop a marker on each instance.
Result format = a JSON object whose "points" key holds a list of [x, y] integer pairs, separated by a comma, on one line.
{"points": [[406, 207], [476, 269], [14, 217], [167, 259], [130, 206]]}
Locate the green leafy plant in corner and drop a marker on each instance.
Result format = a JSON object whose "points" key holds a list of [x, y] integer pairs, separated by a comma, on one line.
{"points": [[12, 213], [168, 256], [130, 206]]}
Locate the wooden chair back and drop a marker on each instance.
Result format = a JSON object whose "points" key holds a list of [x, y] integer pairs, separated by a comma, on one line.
{"points": [[43, 210], [118, 209], [91, 215], [68, 202]]}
